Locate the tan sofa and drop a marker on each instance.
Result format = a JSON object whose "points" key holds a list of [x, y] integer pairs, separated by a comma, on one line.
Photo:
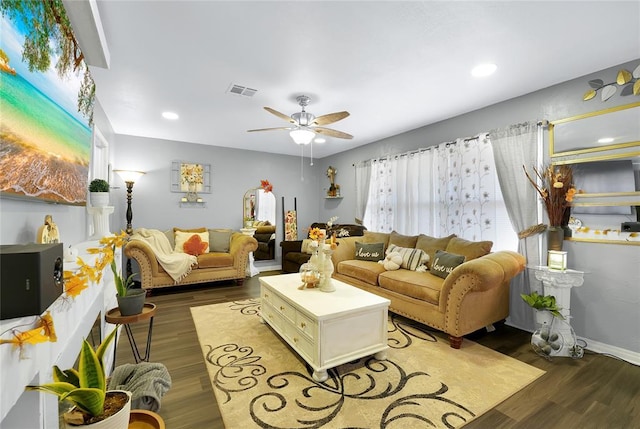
{"points": [[474, 295], [211, 267]]}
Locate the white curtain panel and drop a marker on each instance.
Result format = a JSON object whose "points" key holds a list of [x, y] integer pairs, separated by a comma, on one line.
{"points": [[467, 190], [363, 180], [514, 147]]}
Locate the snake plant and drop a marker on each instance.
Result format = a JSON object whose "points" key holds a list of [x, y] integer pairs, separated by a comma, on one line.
{"points": [[85, 387]]}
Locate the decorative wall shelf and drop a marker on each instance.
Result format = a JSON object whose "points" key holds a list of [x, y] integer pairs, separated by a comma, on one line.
{"points": [[333, 198], [193, 205]]}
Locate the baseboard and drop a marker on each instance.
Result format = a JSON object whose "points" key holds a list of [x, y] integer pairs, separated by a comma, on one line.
{"points": [[598, 347], [272, 267]]}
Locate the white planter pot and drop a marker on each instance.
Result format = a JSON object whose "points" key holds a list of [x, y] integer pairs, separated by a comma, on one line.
{"points": [[119, 420], [99, 199]]}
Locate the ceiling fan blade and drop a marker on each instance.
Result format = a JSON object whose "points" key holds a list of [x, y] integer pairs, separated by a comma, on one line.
{"points": [[280, 115], [270, 129], [332, 133], [330, 118]]}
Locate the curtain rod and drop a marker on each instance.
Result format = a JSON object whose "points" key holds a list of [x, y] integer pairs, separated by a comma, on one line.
{"points": [[412, 152]]}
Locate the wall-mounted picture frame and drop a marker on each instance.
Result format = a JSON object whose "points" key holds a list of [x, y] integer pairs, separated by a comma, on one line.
{"points": [[189, 176]]}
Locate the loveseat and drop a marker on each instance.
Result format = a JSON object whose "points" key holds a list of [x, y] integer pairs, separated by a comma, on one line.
{"points": [[164, 264], [293, 254], [266, 237], [473, 294]]}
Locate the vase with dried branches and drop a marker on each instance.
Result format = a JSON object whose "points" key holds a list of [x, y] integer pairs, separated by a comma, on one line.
{"points": [[554, 184]]}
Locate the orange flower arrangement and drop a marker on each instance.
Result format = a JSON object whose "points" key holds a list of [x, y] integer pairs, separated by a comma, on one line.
{"points": [[266, 186], [556, 190]]}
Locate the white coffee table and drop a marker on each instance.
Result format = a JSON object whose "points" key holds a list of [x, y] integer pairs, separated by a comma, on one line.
{"points": [[326, 329]]}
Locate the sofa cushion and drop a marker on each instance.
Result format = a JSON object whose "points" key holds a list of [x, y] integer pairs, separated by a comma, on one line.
{"points": [[369, 251], [187, 243], [176, 229], [431, 244], [219, 240], [469, 249], [445, 262], [215, 260], [411, 258], [366, 271], [408, 241], [422, 286], [375, 237], [297, 258]]}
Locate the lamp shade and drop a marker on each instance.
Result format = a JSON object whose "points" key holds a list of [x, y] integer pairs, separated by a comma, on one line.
{"points": [[302, 135], [129, 175]]}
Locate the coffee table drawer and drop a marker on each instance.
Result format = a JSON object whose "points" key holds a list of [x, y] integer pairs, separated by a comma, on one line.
{"points": [[306, 325]]}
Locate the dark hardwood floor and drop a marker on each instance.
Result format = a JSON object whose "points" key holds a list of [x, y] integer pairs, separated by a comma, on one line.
{"points": [[596, 391]]}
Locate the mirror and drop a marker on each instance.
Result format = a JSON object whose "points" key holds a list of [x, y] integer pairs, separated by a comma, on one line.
{"points": [[259, 213], [615, 131]]}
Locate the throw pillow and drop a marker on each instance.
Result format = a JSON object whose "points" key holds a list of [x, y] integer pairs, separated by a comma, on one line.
{"points": [[369, 251], [444, 263], [411, 258], [469, 249], [431, 244], [181, 238], [408, 241], [176, 229], [220, 240]]}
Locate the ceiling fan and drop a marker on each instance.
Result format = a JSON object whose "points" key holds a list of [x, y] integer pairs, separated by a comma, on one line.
{"points": [[306, 125]]}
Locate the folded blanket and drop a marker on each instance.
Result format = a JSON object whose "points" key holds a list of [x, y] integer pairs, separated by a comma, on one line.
{"points": [[147, 382], [177, 265]]}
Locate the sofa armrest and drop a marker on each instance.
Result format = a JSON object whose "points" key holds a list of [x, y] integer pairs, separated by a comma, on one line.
{"points": [[146, 260], [479, 275], [345, 251], [240, 247]]}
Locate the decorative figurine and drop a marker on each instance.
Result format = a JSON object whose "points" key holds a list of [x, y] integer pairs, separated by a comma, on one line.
{"points": [[48, 233]]}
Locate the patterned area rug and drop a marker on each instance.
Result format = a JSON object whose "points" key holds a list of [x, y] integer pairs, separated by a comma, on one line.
{"points": [[259, 382]]}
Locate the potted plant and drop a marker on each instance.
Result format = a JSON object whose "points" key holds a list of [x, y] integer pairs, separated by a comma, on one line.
{"points": [[545, 304], [130, 300], [86, 388], [99, 192]]}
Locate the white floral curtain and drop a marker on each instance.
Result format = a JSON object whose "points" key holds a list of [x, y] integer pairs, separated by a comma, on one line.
{"points": [[446, 189], [466, 189]]}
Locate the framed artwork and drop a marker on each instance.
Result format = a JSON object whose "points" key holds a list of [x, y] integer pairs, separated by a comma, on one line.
{"points": [[45, 142], [190, 177]]}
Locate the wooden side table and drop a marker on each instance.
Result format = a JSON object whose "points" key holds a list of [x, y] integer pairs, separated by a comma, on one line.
{"points": [[113, 316]]}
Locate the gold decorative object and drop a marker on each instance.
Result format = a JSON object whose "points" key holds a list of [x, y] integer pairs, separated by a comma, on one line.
{"points": [[630, 81]]}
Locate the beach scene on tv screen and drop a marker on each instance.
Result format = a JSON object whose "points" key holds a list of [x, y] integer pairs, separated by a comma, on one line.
{"points": [[45, 143]]}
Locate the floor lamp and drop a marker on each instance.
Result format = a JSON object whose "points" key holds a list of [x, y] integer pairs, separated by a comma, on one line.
{"points": [[129, 178]]}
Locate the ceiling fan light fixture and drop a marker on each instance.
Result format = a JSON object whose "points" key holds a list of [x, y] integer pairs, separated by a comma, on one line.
{"points": [[302, 135]]}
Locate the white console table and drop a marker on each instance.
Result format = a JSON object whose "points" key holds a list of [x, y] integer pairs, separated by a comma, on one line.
{"points": [[73, 320], [559, 284]]}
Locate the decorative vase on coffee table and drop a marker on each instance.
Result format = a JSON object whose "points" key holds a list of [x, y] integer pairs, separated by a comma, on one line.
{"points": [[326, 284]]}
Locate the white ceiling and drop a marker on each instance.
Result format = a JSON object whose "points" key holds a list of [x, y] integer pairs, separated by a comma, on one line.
{"points": [[394, 65]]}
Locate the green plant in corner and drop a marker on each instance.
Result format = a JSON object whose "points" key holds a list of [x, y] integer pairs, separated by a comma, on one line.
{"points": [[542, 302], [85, 387], [99, 185]]}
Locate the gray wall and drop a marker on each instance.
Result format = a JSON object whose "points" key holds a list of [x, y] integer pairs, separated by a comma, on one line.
{"points": [[606, 309], [233, 173]]}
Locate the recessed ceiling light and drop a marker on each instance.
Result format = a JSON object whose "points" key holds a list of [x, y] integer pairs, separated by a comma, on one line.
{"points": [[320, 140], [482, 70], [170, 115], [605, 140]]}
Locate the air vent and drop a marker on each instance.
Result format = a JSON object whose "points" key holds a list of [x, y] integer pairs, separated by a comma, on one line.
{"points": [[241, 90]]}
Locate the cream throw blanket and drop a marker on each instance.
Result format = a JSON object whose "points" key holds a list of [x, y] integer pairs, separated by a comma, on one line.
{"points": [[177, 265]]}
